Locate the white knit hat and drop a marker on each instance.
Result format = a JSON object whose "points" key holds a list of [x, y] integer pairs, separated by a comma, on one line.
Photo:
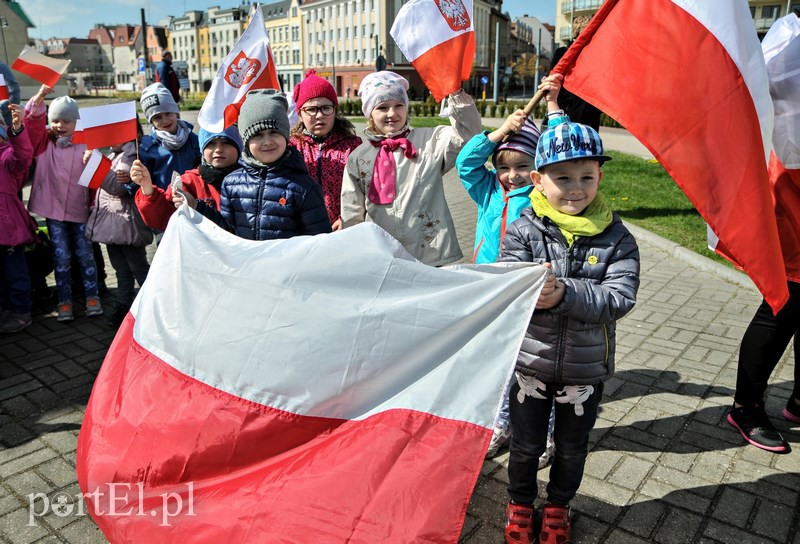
{"points": [[379, 87]]}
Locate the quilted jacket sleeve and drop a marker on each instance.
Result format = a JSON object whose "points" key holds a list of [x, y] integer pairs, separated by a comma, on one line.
{"points": [[614, 296]]}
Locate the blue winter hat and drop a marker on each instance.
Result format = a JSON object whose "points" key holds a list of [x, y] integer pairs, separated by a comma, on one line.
{"points": [[569, 142], [3, 131], [231, 133]]}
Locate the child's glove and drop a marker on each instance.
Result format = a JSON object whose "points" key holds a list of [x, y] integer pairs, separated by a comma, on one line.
{"points": [[575, 394]]}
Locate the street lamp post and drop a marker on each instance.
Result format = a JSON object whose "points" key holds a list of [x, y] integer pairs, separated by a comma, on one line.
{"points": [[4, 24]]}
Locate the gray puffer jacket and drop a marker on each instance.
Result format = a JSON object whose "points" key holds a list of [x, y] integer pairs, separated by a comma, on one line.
{"points": [[573, 343]]}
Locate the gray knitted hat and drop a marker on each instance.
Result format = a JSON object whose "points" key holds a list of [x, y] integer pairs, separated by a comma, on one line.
{"points": [[156, 99], [63, 108], [264, 109]]}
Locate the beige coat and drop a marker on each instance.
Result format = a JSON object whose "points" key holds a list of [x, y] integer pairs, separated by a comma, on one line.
{"points": [[419, 217]]}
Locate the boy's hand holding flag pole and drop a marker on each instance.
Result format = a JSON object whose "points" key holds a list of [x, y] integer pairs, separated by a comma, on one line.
{"points": [[694, 91], [248, 66]]}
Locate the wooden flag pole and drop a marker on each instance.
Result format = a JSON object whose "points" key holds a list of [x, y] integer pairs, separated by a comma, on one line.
{"points": [[535, 99]]}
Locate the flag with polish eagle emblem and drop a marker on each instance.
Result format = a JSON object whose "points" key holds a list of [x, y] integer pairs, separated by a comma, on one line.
{"points": [[247, 67], [438, 38]]}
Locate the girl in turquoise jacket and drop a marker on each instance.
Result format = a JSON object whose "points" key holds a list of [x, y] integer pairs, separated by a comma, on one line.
{"points": [[502, 192]]}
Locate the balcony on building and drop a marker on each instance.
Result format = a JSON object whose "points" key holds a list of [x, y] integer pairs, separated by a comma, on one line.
{"points": [[580, 5]]}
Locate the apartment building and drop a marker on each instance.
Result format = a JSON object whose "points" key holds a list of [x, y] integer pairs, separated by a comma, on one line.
{"points": [[764, 13], [184, 39], [283, 21], [118, 49]]}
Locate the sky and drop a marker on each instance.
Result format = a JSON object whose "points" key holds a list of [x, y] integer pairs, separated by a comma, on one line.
{"points": [[75, 18]]}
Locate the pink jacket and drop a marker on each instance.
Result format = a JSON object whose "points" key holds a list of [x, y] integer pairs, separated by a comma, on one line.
{"points": [[326, 162], [16, 226], [55, 193]]}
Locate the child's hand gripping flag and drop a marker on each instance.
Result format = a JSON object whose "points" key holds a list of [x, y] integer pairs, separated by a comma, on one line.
{"points": [[248, 66], [40, 67], [438, 38]]}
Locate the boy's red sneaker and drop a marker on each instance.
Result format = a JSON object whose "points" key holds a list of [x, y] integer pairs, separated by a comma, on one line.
{"points": [[555, 525], [519, 524]]}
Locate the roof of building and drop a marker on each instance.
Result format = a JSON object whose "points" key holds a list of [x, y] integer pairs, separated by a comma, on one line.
{"points": [[17, 8]]}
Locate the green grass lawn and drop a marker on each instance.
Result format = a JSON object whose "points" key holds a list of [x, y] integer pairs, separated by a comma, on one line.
{"points": [[641, 192]]}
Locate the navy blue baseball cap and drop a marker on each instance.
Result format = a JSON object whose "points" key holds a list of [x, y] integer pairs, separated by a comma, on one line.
{"points": [[569, 141]]}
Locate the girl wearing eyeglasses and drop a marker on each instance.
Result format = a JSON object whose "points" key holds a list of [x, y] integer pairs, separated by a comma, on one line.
{"points": [[324, 138]]}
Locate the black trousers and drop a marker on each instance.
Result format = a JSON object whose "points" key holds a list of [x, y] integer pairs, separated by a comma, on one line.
{"points": [[762, 347]]}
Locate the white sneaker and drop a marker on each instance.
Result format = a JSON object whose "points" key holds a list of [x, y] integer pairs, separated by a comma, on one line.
{"points": [[500, 439]]}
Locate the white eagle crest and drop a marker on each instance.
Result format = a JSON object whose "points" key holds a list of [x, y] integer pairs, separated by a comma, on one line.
{"points": [[455, 11]]}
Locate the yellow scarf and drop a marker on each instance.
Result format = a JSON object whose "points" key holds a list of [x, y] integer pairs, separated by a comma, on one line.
{"points": [[594, 219]]}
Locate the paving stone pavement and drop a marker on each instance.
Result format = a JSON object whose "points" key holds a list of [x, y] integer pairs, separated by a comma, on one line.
{"points": [[664, 466]]}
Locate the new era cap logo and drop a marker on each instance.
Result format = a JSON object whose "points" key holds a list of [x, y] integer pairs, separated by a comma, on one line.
{"points": [[573, 143]]}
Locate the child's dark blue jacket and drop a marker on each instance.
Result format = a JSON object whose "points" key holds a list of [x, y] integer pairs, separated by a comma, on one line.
{"points": [[279, 200]]}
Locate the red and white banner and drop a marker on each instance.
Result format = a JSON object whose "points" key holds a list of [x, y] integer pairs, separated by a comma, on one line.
{"points": [[248, 66], [317, 389], [40, 67], [690, 83], [97, 168], [3, 88], [438, 38], [108, 125]]}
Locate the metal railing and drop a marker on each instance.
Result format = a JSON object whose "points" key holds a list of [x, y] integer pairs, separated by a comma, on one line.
{"points": [[580, 5]]}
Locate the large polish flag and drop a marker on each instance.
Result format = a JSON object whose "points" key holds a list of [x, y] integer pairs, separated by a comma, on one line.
{"points": [[40, 67], [110, 124], [689, 81], [3, 88], [247, 67], [97, 168], [438, 38], [324, 389]]}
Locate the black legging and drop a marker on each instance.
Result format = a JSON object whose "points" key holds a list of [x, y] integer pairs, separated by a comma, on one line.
{"points": [[763, 344]]}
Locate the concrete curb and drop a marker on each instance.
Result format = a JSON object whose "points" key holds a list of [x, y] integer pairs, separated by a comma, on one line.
{"points": [[691, 258]]}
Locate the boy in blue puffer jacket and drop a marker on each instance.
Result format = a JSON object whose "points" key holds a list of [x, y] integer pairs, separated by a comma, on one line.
{"points": [[568, 349], [272, 196]]}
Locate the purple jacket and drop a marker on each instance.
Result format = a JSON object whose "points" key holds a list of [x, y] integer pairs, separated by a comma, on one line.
{"points": [[55, 193], [16, 226]]}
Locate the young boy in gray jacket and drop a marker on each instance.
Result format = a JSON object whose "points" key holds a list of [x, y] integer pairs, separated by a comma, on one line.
{"points": [[568, 350]]}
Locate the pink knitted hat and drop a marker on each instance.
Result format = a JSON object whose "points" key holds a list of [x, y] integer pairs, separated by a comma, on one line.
{"points": [[313, 86]]}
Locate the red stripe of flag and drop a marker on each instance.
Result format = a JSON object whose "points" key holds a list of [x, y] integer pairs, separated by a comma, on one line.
{"points": [[3, 88]]}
